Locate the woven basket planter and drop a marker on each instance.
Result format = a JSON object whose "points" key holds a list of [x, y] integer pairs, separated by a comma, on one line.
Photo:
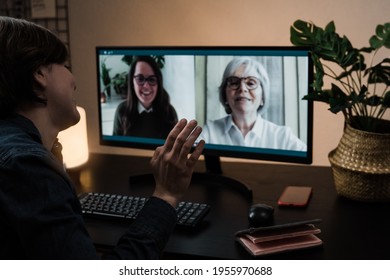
{"points": [[361, 165]]}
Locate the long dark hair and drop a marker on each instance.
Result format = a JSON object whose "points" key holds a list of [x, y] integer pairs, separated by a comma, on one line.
{"points": [[24, 47], [161, 104]]}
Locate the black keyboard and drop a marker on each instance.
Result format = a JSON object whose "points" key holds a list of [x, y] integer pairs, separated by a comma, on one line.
{"points": [[189, 214]]}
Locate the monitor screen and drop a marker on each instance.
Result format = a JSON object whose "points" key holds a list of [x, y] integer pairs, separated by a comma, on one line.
{"points": [[247, 99]]}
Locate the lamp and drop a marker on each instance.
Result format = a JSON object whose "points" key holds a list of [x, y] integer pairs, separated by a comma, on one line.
{"points": [[75, 142]]}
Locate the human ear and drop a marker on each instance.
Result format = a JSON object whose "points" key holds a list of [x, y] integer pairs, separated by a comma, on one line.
{"points": [[40, 78], [39, 83]]}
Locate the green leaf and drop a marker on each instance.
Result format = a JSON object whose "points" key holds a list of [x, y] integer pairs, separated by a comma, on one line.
{"points": [[382, 37], [338, 100], [373, 101], [301, 33], [337, 105], [363, 92], [318, 82], [379, 73], [358, 98], [386, 100], [330, 27], [321, 96], [338, 93], [375, 42]]}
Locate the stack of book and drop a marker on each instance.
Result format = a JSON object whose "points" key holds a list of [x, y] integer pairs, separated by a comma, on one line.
{"points": [[280, 238]]}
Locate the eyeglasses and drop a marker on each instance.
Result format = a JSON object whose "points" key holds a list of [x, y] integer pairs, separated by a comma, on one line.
{"points": [[234, 82], [140, 80]]}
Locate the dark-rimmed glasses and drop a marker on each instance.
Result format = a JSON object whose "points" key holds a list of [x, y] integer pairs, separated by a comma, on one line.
{"points": [[234, 82], [141, 79]]}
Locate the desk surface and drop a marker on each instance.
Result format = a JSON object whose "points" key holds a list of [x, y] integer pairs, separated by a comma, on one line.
{"points": [[350, 229]]}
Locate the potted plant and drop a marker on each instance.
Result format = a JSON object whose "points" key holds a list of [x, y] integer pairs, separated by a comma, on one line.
{"points": [[106, 93], [360, 90]]}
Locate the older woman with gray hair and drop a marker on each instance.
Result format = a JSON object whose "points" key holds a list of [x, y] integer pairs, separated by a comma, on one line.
{"points": [[244, 93]]}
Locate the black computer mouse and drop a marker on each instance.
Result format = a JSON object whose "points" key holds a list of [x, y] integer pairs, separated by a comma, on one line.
{"points": [[260, 215]]}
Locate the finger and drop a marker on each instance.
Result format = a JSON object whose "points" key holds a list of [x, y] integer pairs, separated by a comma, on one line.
{"points": [[194, 135], [190, 141], [195, 154], [171, 138], [182, 138], [156, 154]]}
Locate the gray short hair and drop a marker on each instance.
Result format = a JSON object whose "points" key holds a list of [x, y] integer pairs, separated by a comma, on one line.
{"points": [[249, 64]]}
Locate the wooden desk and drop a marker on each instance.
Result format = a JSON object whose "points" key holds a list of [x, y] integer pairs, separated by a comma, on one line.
{"points": [[350, 229]]}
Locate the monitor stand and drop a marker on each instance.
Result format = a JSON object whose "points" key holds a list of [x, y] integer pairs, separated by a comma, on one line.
{"points": [[213, 164], [214, 173], [212, 177]]}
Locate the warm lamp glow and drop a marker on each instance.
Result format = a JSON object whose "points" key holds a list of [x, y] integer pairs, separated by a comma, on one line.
{"points": [[75, 142]]}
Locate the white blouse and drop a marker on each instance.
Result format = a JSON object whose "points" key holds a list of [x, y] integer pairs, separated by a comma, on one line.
{"points": [[264, 134]]}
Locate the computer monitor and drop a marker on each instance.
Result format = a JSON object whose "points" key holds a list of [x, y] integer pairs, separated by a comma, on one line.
{"points": [[193, 78]]}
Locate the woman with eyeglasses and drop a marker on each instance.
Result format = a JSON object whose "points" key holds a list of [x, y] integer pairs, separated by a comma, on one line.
{"points": [[244, 93], [147, 111]]}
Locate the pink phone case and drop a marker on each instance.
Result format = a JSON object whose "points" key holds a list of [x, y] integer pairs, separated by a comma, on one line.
{"points": [[296, 196]]}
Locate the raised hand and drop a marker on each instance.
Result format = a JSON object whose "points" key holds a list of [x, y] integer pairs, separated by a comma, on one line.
{"points": [[173, 164]]}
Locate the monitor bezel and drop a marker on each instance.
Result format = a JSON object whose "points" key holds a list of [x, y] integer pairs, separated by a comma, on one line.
{"points": [[213, 150]]}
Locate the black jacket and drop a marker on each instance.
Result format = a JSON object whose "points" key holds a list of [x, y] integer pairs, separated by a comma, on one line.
{"points": [[40, 215]]}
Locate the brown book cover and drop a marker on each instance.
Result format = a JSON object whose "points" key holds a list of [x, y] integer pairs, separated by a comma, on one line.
{"points": [[280, 245], [280, 238]]}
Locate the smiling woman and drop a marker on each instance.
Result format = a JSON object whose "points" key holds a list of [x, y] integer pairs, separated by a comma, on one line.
{"points": [[244, 93], [147, 111]]}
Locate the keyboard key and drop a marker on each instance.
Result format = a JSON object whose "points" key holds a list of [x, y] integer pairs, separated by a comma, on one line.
{"points": [[190, 214]]}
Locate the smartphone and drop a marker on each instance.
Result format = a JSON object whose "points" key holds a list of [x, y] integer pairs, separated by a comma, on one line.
{"points": [[295, 196]]}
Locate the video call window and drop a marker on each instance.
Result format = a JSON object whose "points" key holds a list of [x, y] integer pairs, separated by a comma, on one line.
{"points": [[192, 78]]}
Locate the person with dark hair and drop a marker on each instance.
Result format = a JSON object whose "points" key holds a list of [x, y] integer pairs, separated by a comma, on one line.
{"points": [[244, 93], [40, 213], [147, 111]]}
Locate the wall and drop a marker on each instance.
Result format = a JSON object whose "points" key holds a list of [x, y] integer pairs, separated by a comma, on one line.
{"points": [[209, 22]]}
